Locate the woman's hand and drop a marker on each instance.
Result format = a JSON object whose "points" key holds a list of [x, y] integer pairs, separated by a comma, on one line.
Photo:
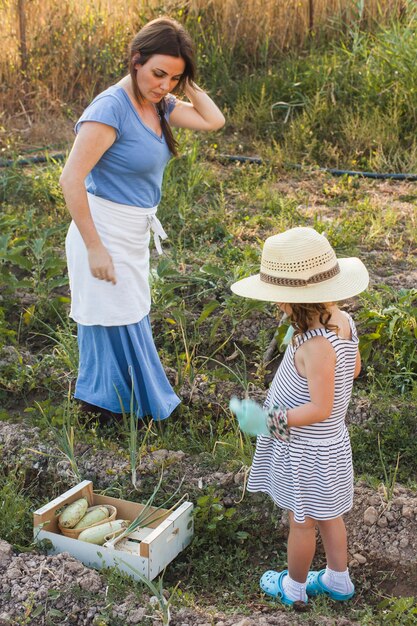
{"points": [[101, 263]]}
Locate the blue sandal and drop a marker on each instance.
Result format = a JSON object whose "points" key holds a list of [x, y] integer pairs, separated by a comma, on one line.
{"points": [[271, 584], [315, 587]]}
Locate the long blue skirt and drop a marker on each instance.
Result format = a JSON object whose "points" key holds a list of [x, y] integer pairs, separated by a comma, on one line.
{"points": [[118, 360]]}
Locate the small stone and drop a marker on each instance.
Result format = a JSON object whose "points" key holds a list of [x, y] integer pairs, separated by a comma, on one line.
{"points": [[137, 616], [382, 522], [153, 601], [243, 622], [404, 542], [393, 552], [90, 582], [360, 558], [6, 553], [239, 478], [407, 512], [353, 563], [374, 500], [13, 573], [75, 567], [370, 516]]}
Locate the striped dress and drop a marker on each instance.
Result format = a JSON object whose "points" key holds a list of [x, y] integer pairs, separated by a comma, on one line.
{"points": [[313, 474]]}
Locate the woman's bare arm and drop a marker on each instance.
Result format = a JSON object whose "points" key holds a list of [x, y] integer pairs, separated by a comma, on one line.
{"points": [[92, 141], [201, 113]]}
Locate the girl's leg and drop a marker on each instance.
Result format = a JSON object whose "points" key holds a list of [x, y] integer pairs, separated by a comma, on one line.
{"points": [[333, 534], [301, 547], [336, 576]]}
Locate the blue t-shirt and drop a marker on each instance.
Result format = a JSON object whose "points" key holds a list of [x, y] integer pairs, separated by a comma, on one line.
{"points": [[131, 170]]}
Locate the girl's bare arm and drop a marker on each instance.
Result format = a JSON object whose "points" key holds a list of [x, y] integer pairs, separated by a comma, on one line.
{"points": [[319, 359]]}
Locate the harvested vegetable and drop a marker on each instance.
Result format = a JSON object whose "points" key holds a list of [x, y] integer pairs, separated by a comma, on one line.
{"points": [[98, 534], [73, 513], [96, 514]]}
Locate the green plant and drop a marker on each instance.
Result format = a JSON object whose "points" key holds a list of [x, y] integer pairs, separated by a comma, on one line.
{"points": [[65, 439], [216, 524], [391, 419], [149, 513], [16, 508], [158, 593], [389, 336], [398, 611]]}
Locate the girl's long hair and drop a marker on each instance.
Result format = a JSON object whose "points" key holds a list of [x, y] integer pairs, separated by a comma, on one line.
{"points": [[303, 314], [163, 36]]}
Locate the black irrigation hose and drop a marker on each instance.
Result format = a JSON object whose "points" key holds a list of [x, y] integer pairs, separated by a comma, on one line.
{"points": [[30, 160], [230, 157], [329, 170]]}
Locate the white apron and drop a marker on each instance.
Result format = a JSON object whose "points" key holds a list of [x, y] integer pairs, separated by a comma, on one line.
{"points": [[125, 232]]}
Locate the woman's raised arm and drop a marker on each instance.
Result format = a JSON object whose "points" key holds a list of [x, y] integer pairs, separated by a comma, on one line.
{"points": [[201, 113]]}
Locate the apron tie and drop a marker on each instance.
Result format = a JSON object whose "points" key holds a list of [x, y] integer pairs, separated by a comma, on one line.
{"points": [[158, 231]]}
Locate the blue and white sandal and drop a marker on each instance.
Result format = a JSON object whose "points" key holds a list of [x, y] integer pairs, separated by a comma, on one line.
{"points": [[315, 587], [271, 584]]}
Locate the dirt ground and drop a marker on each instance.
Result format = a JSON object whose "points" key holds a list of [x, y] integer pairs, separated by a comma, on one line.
{"points": [[382, 543]]}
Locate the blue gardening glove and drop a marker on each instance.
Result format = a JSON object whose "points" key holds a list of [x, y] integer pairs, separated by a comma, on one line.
{"points": [[251, 416]]}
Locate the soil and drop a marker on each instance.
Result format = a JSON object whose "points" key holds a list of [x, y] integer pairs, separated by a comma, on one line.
{"points": [[382, 541]]}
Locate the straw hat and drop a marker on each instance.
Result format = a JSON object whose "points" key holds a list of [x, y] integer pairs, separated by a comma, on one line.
{"points": [[300, 266]]}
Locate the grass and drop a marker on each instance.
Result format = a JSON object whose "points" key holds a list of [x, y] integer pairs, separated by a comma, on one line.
{"points": [[341, 94], [17, 502]]}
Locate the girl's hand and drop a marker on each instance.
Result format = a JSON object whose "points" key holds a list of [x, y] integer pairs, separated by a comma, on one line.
{"points": [[101, 264], [251, 416]]}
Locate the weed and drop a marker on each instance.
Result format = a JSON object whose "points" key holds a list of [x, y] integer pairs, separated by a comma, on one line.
{"points": [[401, 611], [16, 509], [389, 319], [392, 424], [216, 524]]}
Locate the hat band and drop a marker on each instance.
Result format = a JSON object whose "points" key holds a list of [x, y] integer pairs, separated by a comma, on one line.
{"points": [[300, 282]]}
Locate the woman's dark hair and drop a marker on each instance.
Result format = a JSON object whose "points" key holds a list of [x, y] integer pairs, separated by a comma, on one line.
{"points": [[303, 314], [163, 36]]}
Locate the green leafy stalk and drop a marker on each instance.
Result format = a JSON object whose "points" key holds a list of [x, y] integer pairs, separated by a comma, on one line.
{"points": [[148, 516], [158, 592]]}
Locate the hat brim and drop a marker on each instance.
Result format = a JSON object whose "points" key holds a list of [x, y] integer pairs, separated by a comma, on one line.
{"points": [[352, 279]]}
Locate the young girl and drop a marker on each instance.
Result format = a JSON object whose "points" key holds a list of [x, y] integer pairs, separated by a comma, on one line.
{"points": [[303, 457]]}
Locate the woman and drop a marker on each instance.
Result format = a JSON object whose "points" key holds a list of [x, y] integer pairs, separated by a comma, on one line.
{"points": [[112, 186]]}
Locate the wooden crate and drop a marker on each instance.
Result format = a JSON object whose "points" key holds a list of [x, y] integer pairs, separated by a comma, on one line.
{"points": [[149, 551]]}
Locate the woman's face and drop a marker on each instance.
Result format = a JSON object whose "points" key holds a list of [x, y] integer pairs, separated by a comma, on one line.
{"points": [[159, 76]]}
